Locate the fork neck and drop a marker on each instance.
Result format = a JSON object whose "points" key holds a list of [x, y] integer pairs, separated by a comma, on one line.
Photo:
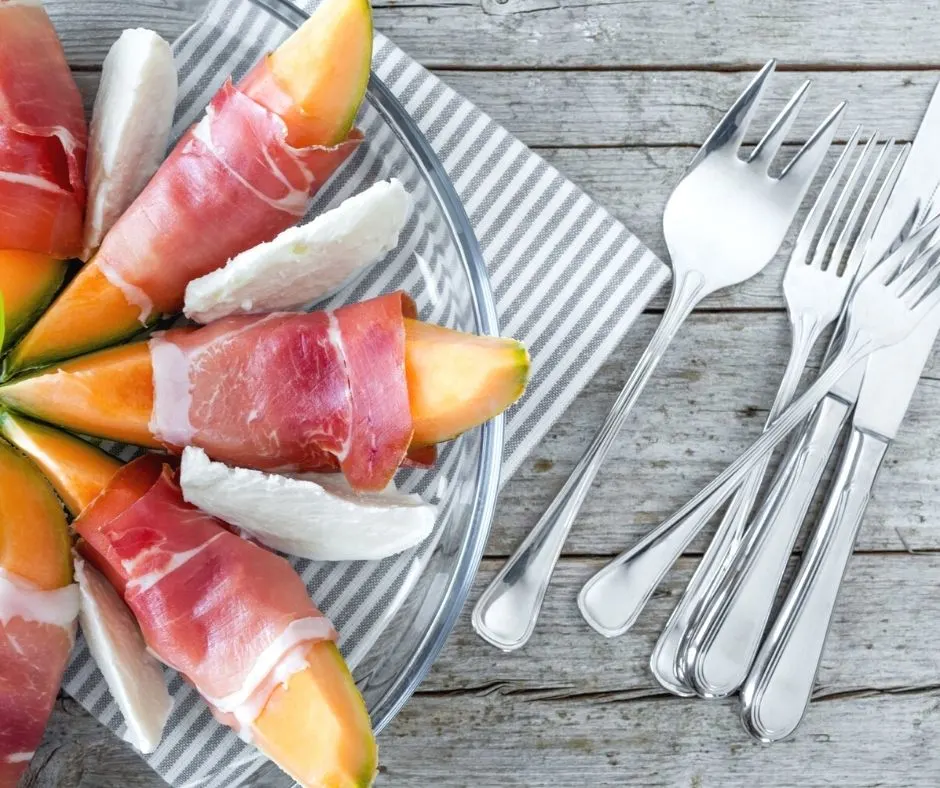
{"points": [[688, 289]]}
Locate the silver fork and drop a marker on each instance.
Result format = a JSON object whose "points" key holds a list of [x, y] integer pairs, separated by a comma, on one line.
{"points": [[899, 293], [723, 223], [815, 286]]}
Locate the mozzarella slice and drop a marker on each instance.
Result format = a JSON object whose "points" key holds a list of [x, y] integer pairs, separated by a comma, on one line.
{"points": [[130, 127], [133, 676], [316, 516], [304, 263]]}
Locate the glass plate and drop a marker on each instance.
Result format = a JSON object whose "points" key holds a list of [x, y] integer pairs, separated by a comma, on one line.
{"points": [[393, 616]]}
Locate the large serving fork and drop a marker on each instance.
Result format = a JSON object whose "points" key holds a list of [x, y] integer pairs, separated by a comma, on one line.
{"points": [[723, 223], [815, 285], [888, 304]]}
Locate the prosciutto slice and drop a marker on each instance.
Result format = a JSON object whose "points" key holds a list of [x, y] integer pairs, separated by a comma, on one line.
{"points": [[298, 392], [232, 617], [43, 137], [231, 183], [37, 630]]}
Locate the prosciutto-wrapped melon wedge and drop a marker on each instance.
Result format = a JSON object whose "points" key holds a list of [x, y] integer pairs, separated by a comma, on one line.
{"points": [[234, 619], [241, 175], [43, 137], [353, 389], [38, 608]]}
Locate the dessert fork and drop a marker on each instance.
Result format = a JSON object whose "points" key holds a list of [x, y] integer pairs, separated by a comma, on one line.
{"points": [[723, 224], [888, 304], [815, 285]]}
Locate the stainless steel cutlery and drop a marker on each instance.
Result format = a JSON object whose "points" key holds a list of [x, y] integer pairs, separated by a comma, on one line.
{"points": [[723, 224], [820, 271], [867, 260]]}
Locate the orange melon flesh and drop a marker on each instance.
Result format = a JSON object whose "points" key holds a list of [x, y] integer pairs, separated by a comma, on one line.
{"points": [[317, 728], [457, 381], [90, 314], [108, 394], [324, 69], [34, 535], [28, 283], [77, 470]]}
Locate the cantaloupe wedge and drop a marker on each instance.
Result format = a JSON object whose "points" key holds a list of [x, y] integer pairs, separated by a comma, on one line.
{"points": [[90, 313], [324, 64], [317, 728], [28, 283], [319, 78], [108, 394], [456, 381], [77, 469], [34, 536]]}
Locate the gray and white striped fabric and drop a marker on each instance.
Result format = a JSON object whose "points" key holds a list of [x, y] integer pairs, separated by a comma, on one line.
{"points": [[568, 280]]}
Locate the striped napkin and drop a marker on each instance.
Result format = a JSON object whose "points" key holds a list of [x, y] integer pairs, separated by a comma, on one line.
{"points": [[568, 279]]}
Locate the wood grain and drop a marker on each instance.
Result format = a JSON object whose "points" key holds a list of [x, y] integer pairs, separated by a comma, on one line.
{"points": [[649, 34]]}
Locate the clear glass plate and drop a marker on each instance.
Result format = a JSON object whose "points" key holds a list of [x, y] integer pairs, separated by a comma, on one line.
{"points": [[394, 615]]}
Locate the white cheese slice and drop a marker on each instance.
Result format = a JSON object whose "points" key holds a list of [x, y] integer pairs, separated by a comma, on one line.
{"points": [[130, 127], [133, 676], [316, 516], [304, 263]]}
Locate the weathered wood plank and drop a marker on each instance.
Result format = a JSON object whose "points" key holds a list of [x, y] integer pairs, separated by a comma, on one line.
{"points": [[565, 33], [705, 404], [616, 108], [491, 740]]}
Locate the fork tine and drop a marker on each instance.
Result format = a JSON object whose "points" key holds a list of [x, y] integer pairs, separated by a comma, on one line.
{"points": [[804, 166], [889, 266], [859, 251], [733, 126], [855, 215], [928, 279], [911, 273], [769, 146], [821, 257], [811, 225]]}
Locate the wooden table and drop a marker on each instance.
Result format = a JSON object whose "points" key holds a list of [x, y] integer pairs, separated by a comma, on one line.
{"points": [[617, 94]]}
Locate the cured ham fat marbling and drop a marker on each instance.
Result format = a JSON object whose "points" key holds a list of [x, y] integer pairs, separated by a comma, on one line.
{"points": [[43, 137], [299, 392]]}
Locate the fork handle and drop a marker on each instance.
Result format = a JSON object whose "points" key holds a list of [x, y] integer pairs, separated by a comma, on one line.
{"points": [[778, 689], [728, 633], [667, 661], [507, 611]]}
